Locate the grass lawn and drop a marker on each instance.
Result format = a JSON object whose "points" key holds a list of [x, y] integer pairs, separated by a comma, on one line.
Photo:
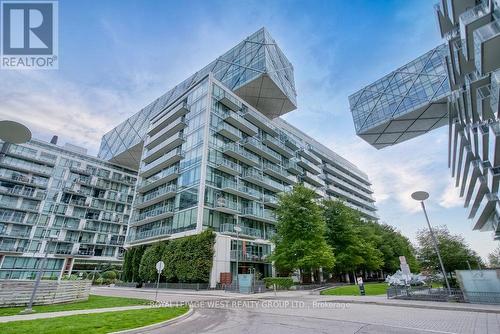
{"points": [[94, 301], [98, 323], [371, 289]]}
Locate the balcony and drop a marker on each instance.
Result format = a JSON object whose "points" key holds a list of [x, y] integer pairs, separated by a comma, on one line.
{"points": [[248, 257], [237, 152], [24, 192], [10, 248], [239, 122], [261, 121], [256, 177], [343, 184], [312, 179], [279, 172], [339, 192], [226, 206], [292, 167], [169, 117], [19, 178], [154, 215], [307, 165], [165, 176], [240, 190], [246, 232], [257, 147], [277, 145], [306, 153], [165, 133], [163, 147], [230, 102], [487, 47], [160, 194], [355, 179], [444, 22], [163, 232], [228, 166], [84, 253], [271, 201], [165, 161], [228, 131], [16, 234], [255, 213]]}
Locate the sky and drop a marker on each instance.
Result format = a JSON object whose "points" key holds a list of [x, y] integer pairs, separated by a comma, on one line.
{"points": [[117, 56]]}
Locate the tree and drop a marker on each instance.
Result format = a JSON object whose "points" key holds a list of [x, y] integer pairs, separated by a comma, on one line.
{"points": [[300, 233], [343, 236], [136, 262], [455, 252], [147, 267], [494, 258]]}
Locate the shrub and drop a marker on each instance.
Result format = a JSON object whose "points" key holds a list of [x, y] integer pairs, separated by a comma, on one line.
{"points": [[109, 275], [280, 282], [147, 268]]}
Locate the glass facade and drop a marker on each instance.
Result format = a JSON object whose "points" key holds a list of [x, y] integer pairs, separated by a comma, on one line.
{"points": [[405, 103], [238, 69], [81, 203]]}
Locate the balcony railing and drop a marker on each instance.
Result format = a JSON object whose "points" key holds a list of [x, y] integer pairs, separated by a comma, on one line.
{"points": [[228, 166], [160, 192], [166, 175], [257, 147], [229, 131], [236, 151], [152, 214], [164, 231], [248, 257], [259, 214], [167, 159], [245, 231]]}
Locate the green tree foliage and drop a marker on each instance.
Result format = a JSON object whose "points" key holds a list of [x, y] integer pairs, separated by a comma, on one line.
{"points": [[189, 259], [300, 238], [364, 245], [454, 251], [147, 267], [127, 266], [494, 258]]}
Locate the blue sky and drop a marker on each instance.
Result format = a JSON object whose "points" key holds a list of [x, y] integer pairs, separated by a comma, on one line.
{"points": [[117, 56]]}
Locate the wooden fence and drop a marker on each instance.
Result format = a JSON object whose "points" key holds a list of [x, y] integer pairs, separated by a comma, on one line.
{"points": [[18, 292]]}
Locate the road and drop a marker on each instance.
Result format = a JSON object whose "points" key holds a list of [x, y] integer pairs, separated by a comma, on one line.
{"points": [[304, 313]]}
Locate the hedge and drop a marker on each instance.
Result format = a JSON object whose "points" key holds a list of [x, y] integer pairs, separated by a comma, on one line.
{"points": [[280, 282], [151, 256]]}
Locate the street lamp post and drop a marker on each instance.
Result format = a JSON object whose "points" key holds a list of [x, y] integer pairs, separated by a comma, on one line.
{"points": [[29, 308], [421, 196], [238, 229]]}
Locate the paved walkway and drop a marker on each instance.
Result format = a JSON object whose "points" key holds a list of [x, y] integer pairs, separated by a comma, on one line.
{"points": [[45, 315]]}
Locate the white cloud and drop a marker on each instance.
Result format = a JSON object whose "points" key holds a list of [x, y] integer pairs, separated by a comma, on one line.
{"points": [[450, 197]]}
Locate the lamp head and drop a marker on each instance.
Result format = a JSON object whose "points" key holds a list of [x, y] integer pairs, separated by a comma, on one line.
{"points": [[420, 196]]}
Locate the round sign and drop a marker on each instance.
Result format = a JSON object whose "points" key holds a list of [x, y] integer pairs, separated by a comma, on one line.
{"points": [[159, 266], [13, 132]]}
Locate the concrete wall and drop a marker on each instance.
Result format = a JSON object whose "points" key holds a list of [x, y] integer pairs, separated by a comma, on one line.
{"points": [[222, 258], [18, 292]]}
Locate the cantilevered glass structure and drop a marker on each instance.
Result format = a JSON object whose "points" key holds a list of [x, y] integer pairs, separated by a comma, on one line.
{"points": [[404, 104], [256, 70]]}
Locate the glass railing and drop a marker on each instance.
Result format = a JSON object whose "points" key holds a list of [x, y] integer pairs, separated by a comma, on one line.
{"points": [[270, 199], [157, 193], [247, 256], [162, 159], [276, 168], [241, 120], [155, 212], [228, 164], [261, 118], [240, 151], [254, 142], [232, 205], [163, 144], [229, 128], [259, 213], [160, 231], [164, 173], [245, 231], [227, 183], [157, 120], [166, 129], [277, 142]]}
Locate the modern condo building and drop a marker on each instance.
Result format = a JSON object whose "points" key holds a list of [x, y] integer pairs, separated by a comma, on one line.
{"points": [[213, 153], [469, 99], [61, 202]]}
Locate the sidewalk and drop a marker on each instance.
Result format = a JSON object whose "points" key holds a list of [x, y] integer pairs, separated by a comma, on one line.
{"points": [[383, 301], [45, 315]]}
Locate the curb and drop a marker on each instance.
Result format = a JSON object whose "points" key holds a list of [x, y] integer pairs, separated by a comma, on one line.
{"points": [[172, 321], [435, 307]]}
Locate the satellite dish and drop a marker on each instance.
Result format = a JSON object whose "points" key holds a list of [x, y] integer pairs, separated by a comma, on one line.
{"points": [[14, 132]]}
